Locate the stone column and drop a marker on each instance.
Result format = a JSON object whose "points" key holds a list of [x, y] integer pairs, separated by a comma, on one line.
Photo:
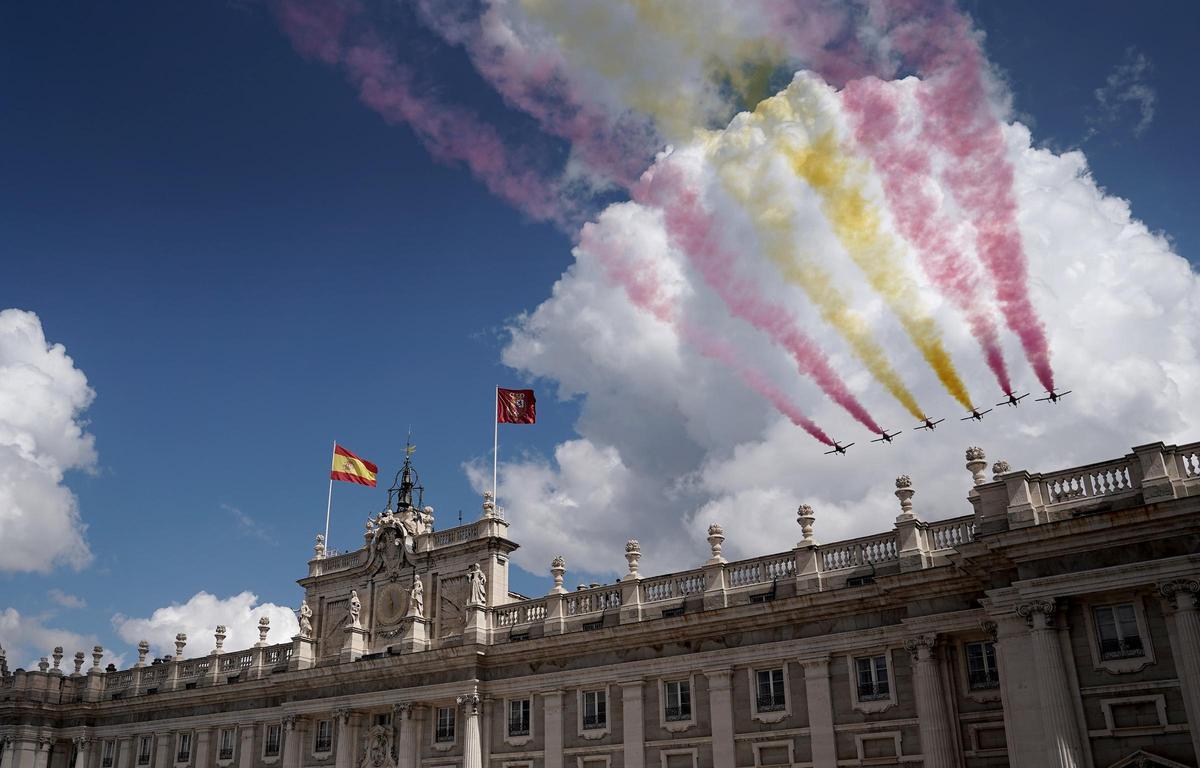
{"points": [[406, 747], [633, 723], [1181, 597], [472, 751], [203, 737], [1062, 748], [344, 757], [6, 751], [291, 742], [552, 704], [163, 747], [720, 705], [82, 751], [937, 736], [44, 743], [125, 752], [246, 755], [820, 712]]}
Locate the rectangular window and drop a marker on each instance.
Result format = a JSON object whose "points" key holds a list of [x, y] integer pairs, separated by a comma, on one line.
{"points": [[225, 744], [872, 678], [271, 740], [145, 745], [1118, 633], [770, 697], [384, 719], [518, 717], [678, 704], [981, 666], [106, 754], [595, 709], [184, 751], [445, 725], [323, 737]]}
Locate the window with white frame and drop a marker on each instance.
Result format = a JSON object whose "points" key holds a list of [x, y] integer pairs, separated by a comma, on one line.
{"points": [[145, 746], [595, 710], [518, 717], [770, 696], [183, 750], [1117, 632], [872, 672], [677, 700], [323, 736], [107, 750], [271, 740], [444, 731], [225, 744], [982, 672]]}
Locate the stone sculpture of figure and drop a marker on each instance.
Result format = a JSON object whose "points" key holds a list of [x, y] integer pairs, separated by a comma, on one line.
{"points": [[478, 585], [355, 609], [426, 520], [416, 599], [305, 620]]}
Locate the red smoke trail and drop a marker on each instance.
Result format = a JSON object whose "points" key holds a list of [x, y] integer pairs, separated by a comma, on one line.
{"points": [[450, 133], [616, 148], [960, 122], [906, 169], [645, 290], [694, 232]]}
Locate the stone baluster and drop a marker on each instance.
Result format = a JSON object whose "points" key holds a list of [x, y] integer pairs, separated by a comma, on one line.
{"points": [[720, 705], [820, 711], [633, 723], [1181, 597], [1062, 748], [937, 736], [472, 749], [552, 708]]}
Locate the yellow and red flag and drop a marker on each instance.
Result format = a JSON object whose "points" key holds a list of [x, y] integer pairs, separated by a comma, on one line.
{"points": [[349, 468]]}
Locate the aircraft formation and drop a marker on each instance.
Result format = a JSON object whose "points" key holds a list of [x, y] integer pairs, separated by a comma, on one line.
{"points": [[1011, 399]]}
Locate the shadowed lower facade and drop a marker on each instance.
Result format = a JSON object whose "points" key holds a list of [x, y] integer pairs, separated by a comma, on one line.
{"points": [[1056, 624]]}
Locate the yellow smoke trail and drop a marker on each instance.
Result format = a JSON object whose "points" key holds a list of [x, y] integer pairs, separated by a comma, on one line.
{"points": [[856, 223], [774, 219]]}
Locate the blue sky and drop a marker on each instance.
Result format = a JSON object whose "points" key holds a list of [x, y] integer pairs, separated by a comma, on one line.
{"points": [[248, 263]]}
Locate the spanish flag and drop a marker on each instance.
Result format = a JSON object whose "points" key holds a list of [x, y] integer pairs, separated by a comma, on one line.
{"points": [[351, 469]]}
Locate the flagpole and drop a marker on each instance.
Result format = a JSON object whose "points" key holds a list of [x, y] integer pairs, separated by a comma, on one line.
{"points": [[329, 502], [495, 446]]}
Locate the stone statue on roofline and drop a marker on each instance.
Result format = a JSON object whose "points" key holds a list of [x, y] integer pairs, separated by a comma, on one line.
{"points": [[478, 581], [355, 609], [305, 620]]}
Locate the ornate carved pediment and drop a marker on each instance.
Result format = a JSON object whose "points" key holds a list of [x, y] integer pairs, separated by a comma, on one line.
{"points": [[377, 748]]}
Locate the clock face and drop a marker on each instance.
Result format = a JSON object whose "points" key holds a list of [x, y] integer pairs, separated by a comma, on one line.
{"points": [[390, 604]]}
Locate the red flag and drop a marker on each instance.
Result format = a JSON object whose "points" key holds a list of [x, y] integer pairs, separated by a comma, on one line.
{"points": [[515, 406]]}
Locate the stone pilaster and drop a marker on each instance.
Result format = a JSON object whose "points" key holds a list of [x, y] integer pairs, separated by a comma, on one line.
{"points": [[83, 751], [1181, 597], [124, 752], [820, 711], [552, 705], [43, 751], [937, 736], [720, 705], [633, 723], [472, 749], [203, 741], [1061, 747], [344, 757], [163, 746], [246, 753], [403, 716]]}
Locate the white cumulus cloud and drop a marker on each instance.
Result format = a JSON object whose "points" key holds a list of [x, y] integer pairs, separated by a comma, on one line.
{"points": [[26, 639], [42, 436], [669, 440], [198, 619]]}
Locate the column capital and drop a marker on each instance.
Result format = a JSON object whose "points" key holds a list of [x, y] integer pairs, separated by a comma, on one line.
{"points": [[1182, 594], [403, 710], [289, 723], [719, 678], [990, 628], [1038, 613], [470, 702], [818, 665], [921, 647], [82, 742]]}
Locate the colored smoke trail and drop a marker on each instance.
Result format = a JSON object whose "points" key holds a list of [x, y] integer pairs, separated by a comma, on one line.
{"points": [[741, 162], [959, 121], [645, 289], [450, 133], [694, 232], [905, 167]]}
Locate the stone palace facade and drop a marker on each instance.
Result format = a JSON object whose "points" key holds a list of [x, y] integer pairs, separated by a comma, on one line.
{"points": [[1054, 625]]}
